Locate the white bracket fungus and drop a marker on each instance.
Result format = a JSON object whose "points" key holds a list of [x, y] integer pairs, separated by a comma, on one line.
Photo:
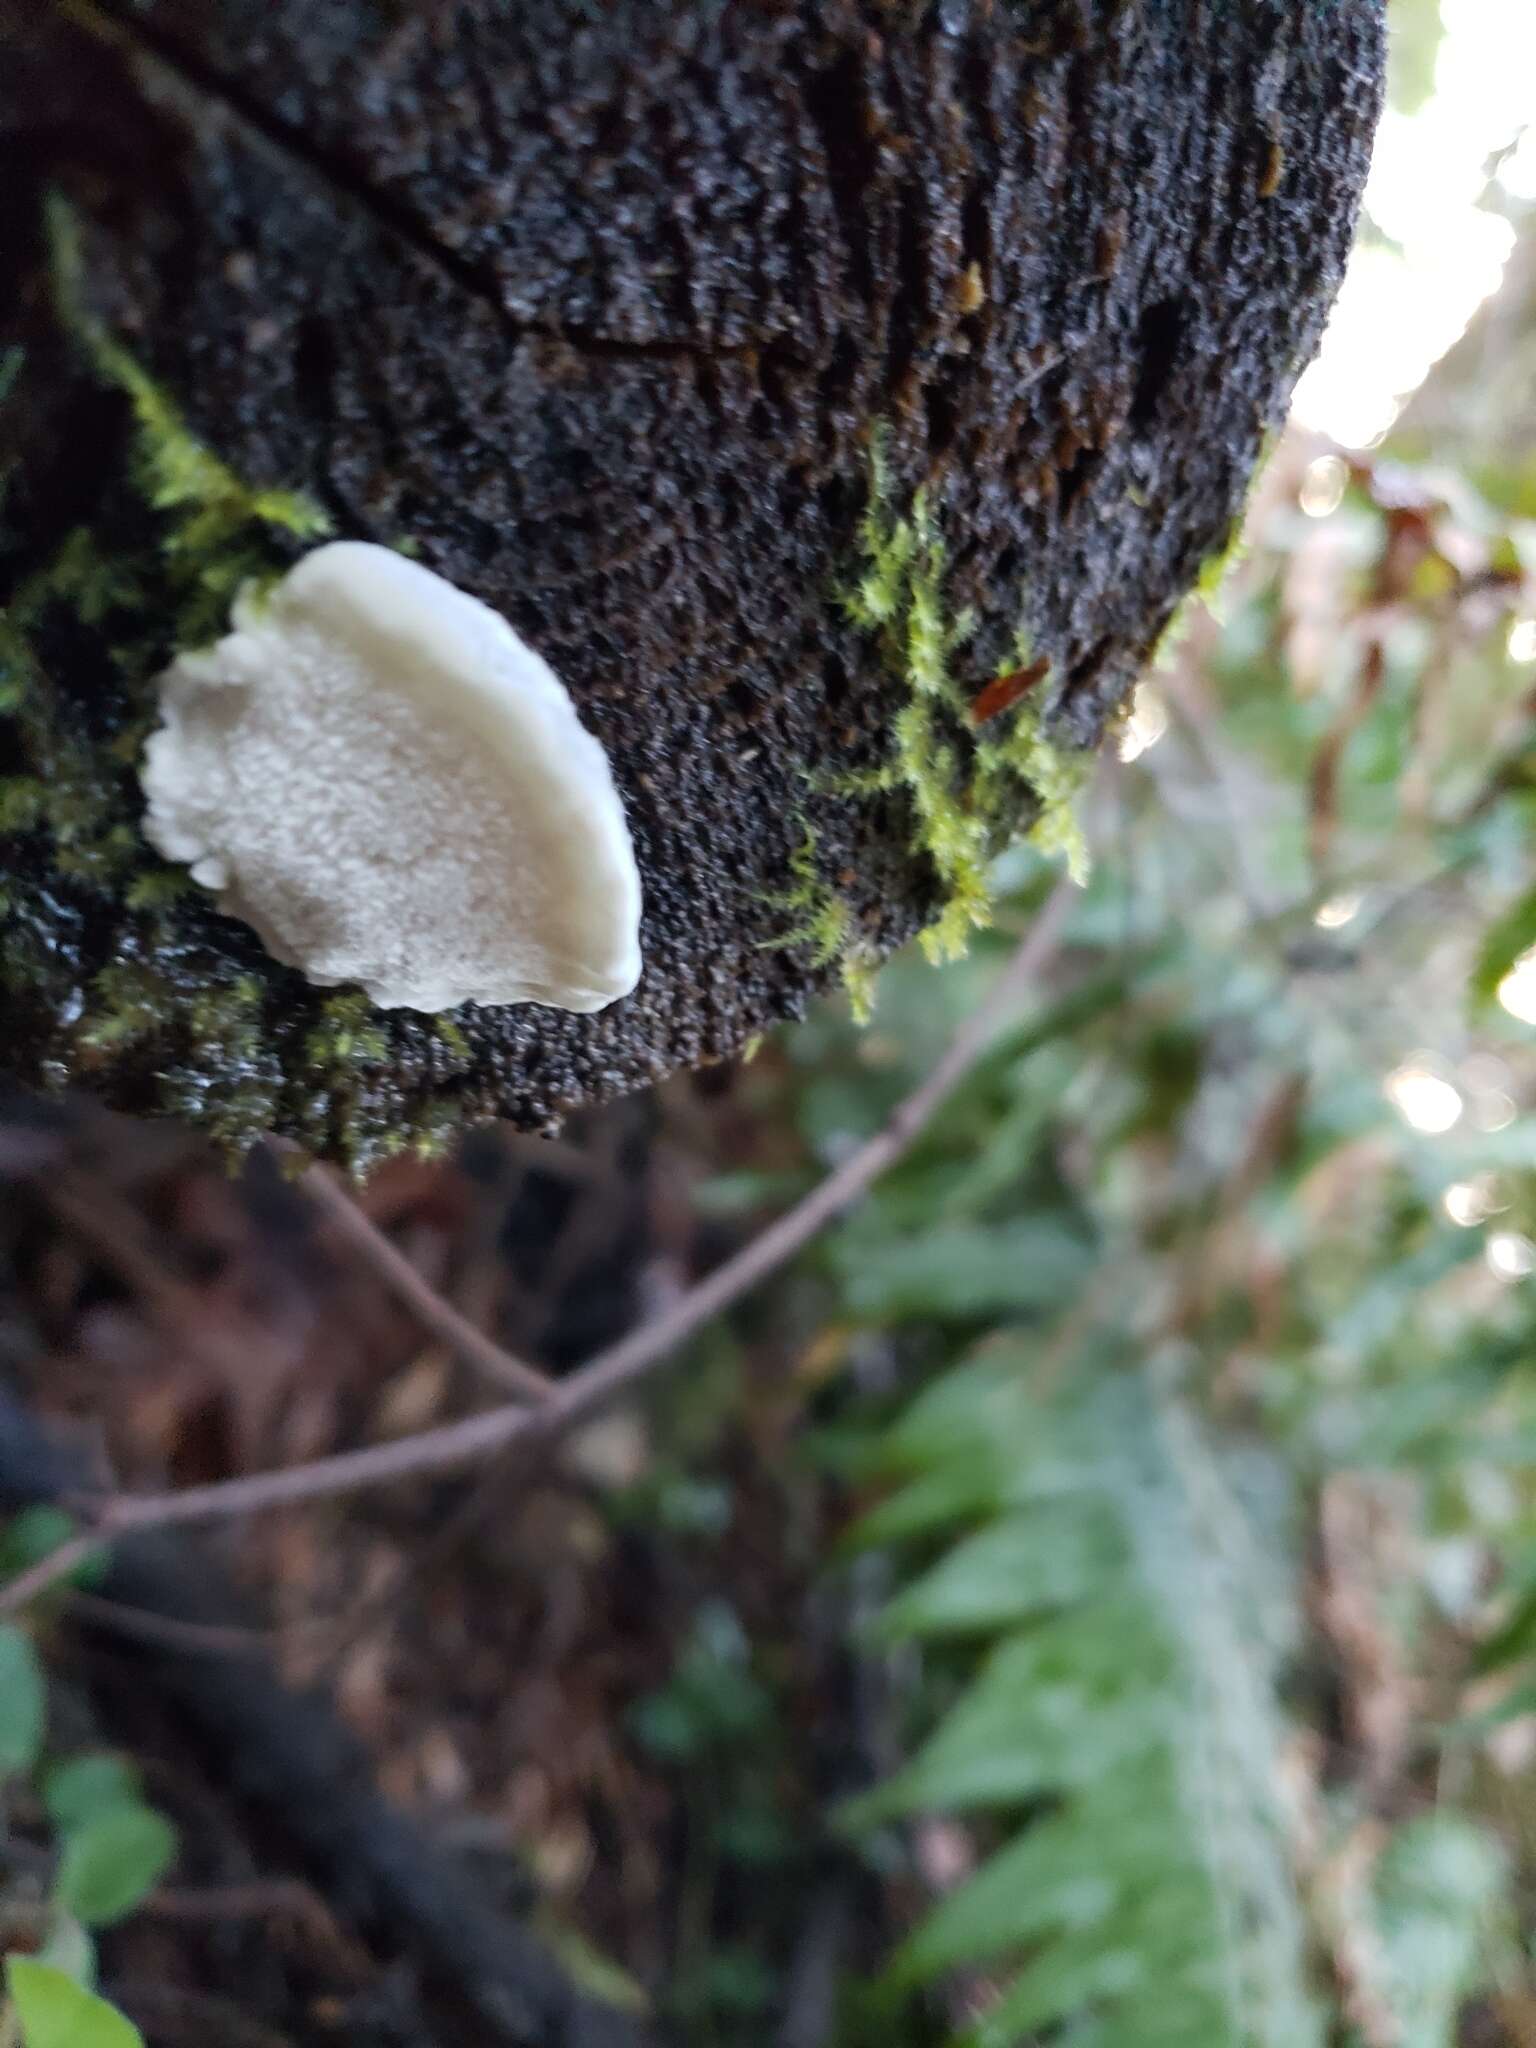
{"points": [[381, 778]]}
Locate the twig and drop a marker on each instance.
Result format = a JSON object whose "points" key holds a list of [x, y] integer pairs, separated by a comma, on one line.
{"points": [[133, 1623], [57, 1564], [116, 1232], [431, 1309], [312, 1781], [179, 2016], [624, 1363], [288, 1899], [260, 1899]]}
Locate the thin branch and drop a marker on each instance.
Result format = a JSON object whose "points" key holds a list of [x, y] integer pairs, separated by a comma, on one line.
{"points": [[177, 2017], [626, 1362], [263, 1898], [115, 1231], [138, 1625], [272, 1899], [431, 1309], [57, 1564]]}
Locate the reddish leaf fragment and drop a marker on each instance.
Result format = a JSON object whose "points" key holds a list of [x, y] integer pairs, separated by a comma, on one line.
{"points": [[1006, 690]]}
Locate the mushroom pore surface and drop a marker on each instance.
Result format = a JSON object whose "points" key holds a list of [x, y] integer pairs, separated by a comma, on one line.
{"points": [[393, 789]]}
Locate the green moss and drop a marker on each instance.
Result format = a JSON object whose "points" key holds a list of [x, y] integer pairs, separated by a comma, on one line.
{"points": [[238, 1049], [347, 1053], [348, 1032], [434, 1130], [138, 603], [228, 1080], [232, 1014], [1027, 757], [821, 918], [965, 792], [899, 598], [822, 925], [71, 798], [128, 1005], [453, 1042], [23, 803], [1219, 564], [1215, 570], [92, 584], [213, 518], [860, 976], [158, 889]]}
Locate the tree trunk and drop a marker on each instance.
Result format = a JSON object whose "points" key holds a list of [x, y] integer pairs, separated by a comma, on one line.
{"points": [[662, 330]]}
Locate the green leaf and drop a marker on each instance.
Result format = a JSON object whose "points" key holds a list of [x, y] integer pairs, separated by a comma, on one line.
{"points": [[23, 1702], [964, 1271], [77, 1791], [1144, 1900], [1055, 1876], [1057, 1705], [11, 360], [31, 1535], [594, 1973], [1416, 31], [730, 1983], [1514, 1706], [1503, 943], [69, 1948], [56, 2012], [1438, 1900], [111, 1862], [1514, 1640], [1033, 1560], [35, 1534], [742, 1193], [713, 1699]]}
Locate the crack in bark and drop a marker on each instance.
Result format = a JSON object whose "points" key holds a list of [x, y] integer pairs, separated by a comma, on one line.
{"points": [[203, 81]]}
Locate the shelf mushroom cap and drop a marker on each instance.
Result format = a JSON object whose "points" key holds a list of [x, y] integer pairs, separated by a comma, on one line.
{"points": [[393, 789]]}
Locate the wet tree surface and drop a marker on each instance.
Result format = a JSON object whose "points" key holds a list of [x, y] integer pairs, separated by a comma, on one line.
{"points": [[602, 309]]}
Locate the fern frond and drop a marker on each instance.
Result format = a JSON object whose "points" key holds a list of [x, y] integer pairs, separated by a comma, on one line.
{"points": [[1116, 1645]]}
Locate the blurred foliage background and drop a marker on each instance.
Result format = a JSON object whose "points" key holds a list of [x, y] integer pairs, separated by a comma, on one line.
{"points": [[1092, 1599], [1193, 1481]]}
